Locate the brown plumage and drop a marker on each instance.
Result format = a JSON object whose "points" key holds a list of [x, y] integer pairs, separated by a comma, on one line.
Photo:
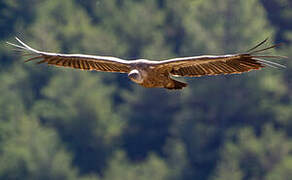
{"points": [[158, 73]]}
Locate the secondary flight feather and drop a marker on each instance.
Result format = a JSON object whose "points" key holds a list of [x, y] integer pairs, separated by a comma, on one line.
{"points": [[158, 74]]}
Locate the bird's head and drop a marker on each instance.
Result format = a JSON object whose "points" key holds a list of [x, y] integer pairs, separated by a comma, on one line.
{"points": [[135, 76]]}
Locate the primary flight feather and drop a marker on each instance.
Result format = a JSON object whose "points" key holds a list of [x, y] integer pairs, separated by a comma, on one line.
{"points": [[158, 74]]}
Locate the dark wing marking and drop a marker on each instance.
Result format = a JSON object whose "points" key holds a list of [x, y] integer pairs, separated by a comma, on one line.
{"points": [[78, 61], [215, 65]]}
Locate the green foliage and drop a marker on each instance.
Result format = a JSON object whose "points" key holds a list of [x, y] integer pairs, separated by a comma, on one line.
{"points": [[217, 29], [57, 123], [81, 110], [120, 168], [34, 152], [249, 156]]}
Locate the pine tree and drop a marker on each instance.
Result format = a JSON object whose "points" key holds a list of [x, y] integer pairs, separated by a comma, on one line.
{"points": [[121, 168], [212, 105], [251, 156]]}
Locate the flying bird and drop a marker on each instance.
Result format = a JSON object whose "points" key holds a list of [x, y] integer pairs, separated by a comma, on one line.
{"points": [[158, 74]]}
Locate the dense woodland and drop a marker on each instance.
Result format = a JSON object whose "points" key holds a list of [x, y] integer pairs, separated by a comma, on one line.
{"points": [[59, 123]]}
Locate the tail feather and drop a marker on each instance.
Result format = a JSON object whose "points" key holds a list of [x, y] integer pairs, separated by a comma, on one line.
{"points": [[177, 85]]}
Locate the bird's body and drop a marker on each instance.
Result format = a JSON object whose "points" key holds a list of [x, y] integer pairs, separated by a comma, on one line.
{"points": [[158, 74], [149, 76]]}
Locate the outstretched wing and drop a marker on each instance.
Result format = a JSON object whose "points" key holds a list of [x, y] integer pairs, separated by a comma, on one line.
{"points": [[215, 65], [78, 61]]}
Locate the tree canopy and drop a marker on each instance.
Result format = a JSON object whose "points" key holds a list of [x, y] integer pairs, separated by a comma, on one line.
{"points": [[58, 123]]}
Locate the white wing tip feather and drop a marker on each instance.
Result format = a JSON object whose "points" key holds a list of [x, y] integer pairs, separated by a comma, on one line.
{"points": [[22, 46], [269, 63], [25, 45]]}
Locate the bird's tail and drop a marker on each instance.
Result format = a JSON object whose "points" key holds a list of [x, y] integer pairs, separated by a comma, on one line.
{"points": [[177, 85]]}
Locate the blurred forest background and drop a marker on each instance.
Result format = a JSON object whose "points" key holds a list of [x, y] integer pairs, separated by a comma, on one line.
{"points": [[58, 123]]}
